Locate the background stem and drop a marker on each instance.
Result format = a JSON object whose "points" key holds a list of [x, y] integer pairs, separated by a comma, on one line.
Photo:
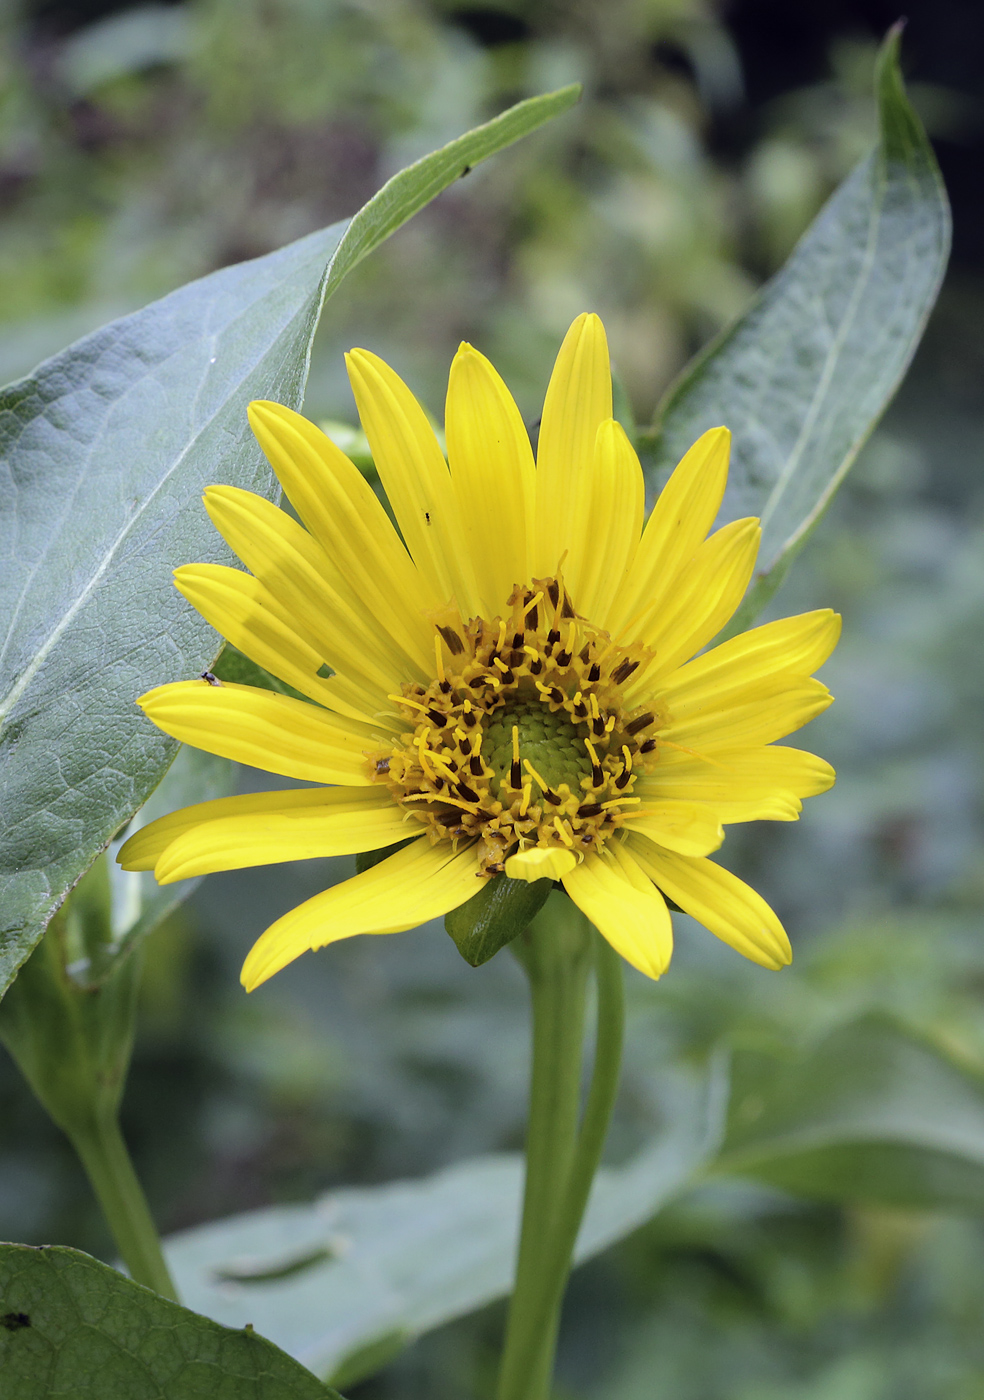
{"points": [[107, 1163]]}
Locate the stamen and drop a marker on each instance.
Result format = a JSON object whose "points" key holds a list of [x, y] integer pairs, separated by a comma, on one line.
{"points": [[454, 643], [527, 794], [564, 835], [640, 722], [535, 775]]}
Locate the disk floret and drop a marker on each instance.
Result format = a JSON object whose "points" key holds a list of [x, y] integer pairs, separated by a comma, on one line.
{"points": [[523, 738]]}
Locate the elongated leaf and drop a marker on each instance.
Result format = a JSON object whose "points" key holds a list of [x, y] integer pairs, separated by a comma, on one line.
{"points": [[104, 452], [70, 1326], [360, 1272], [802, 378], [873, 1113]]}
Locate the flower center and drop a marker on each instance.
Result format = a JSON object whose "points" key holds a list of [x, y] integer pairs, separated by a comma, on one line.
{"points": [[524, 737]]}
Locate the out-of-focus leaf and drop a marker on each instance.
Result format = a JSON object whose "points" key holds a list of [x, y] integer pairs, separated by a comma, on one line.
{"points": [[872, 1113], [71, 1326], [803, 376], [104, 452], [400, 1259]]}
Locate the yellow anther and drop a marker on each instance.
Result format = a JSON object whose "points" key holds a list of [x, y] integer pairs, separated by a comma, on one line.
{"points": [[527, 795], [609, 724], [593, 702], [564, 835], [627, 756]]}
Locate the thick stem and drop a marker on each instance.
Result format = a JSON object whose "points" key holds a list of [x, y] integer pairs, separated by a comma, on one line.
{"points": [[110, 1171], [561, 1162]]}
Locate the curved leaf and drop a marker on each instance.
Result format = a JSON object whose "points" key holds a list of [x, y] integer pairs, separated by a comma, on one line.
{"points": [[803, 376]]}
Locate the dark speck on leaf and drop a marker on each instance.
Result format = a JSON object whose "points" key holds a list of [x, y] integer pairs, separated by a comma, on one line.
{"points": [[15, 1321], [466, 171]]}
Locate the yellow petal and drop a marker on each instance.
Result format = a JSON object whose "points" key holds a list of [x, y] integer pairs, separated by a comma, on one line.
{"points": [[752, 664], [540, 863], [248, 615], [267, 731], [613, 891], [415, 476], [679, 521], [344, 515], [707, 592], [607, 519], [418, 883], [720, 901], [297, 572], [758, 783], [578, 401], [342, 822], [757, 722], [492, 472], [691, 828]]}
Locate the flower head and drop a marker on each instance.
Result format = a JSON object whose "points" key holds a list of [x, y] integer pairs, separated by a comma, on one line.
{"points": [[507, 690]]}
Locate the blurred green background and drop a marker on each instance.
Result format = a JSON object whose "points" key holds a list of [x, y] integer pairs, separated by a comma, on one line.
{"points": [[143, 146]]}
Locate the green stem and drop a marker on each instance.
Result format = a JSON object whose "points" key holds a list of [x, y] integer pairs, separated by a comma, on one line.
{"points": [[561, 1162], [110, 1171]]}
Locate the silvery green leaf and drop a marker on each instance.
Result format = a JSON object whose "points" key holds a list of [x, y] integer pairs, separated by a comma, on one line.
{"points": [[804, 375], [104, 452], [343, 1283]]}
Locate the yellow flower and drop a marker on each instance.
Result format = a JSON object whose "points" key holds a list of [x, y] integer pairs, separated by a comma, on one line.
{"points": [[510, 690]]}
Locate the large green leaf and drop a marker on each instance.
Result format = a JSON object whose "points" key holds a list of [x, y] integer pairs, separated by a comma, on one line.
{"points": [[105, 451], [803, 376], [872, 1112], [72, 1327], [343, 1283]]}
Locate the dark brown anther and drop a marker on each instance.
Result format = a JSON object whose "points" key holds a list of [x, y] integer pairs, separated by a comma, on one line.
{"points": [[639, 722], [568, 609], [553, 637], [476, 766], [454, 643], [598, 726], [581, 710], [564, 658], [648, 746], [437, 718], [507, 677], [476, 683], [467, 793], [557, 695], [624, 670], [590, 809], [517, 656], [536, 667], [517, 641], [597, 776], [515, 775], [445, 687], [553, 591], [623, 778], [552, 798], [469, 719], [595, 673], [533, 619]]}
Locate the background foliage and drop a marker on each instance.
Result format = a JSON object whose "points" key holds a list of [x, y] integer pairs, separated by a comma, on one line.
{"points": [[143, 147]]}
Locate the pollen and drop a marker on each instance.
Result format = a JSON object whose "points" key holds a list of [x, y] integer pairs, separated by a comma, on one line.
{"points": [[523, 739]]}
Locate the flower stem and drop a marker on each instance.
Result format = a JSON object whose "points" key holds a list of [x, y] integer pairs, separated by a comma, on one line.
{"points": [[107, 1163], [561, 1162]]}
